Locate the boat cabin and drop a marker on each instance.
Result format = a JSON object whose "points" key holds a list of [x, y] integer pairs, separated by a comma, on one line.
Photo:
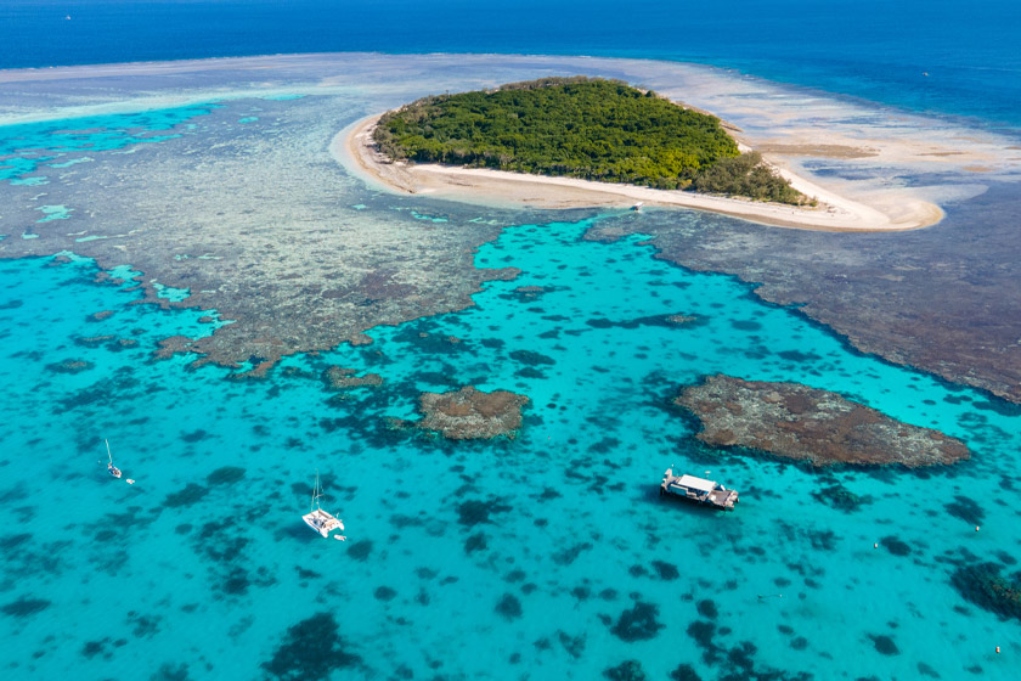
{"points": [[697, 489]]}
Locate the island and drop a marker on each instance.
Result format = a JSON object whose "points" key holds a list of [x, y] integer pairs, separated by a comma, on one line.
{"points": [[588, 128], [581, 142], [794, 421]]}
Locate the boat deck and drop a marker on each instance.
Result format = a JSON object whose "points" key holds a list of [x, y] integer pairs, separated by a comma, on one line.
{"points": [[322, 522], [698, 489]]}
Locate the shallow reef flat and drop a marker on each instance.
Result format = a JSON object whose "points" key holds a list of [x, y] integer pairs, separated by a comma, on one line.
{"points": [[237, 203], [797, 422]]}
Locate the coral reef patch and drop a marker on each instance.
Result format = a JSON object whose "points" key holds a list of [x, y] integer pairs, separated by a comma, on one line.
{"points": [[470, 414], [629, 670], [312, 649], [983, 585], [340, 378], [637, 624], [797, 422]]}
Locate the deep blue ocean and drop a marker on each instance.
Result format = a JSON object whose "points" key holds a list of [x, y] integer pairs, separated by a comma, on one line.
{"points": [[875, 49], [547, 555]]}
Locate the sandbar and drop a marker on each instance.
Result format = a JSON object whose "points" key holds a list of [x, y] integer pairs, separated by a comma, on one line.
{"points": [[355, 149]]}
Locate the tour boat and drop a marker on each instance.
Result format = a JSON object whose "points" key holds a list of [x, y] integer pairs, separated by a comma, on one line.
{"points": [[318, 519], [698, 489]]}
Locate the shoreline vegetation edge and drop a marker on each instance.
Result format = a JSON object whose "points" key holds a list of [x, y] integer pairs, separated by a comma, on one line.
{"points": [[354, 148]]}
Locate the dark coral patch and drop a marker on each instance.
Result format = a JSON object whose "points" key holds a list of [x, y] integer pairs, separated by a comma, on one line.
{"points": [[529, 358], [840, 498], [144, 626], [637, 624], [194, 436], [191, 494], [360, 550], [665, 571], [574, 645], [384, 593], [629, 670], [227, 475], [25, 607], [12, 541], [571, 553], [93, 648], [707, 608], [312, 650], [884, 644], [70, 366], [171, 672], [703, 634], [895, 546], [966, 509], [236, 582], [476, 542], [509, 607], [476, 512], [685, 672], [984, 586]]}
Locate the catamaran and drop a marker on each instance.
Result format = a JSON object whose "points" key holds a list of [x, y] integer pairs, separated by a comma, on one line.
{"points": [[114, 471], [318, 519]]}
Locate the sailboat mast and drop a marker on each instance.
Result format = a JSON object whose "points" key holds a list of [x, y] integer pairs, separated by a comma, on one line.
{"points": [[316, 493], [108, 453]]}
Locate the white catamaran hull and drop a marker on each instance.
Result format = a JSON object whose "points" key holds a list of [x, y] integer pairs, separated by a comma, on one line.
{"points": [[322, 522]]}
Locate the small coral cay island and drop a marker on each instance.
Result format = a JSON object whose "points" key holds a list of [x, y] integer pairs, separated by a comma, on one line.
{"points": [[592, 129], [584, 142], [797, 422]]}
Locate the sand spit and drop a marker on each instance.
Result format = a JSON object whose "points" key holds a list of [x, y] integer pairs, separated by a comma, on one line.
{"points": [[355, 149]]}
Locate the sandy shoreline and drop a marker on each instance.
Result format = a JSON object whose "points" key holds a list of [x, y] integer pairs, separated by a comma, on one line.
{"points": [[353, 147]]}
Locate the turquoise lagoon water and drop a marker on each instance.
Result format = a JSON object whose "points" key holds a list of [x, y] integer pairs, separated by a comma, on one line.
{"points": [[545, 555], [30, 148]]}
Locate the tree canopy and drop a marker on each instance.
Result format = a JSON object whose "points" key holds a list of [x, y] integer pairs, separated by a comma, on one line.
{"points": [[590, 128]]}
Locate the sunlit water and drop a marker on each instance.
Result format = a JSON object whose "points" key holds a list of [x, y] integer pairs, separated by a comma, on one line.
{"points": [[547, 554]]}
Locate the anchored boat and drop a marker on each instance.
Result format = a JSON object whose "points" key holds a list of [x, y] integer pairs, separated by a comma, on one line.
{"points": [[113, 470], [697, 489], [318, 519]]}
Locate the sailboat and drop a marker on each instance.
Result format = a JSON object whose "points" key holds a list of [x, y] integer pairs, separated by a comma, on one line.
{"points": [[318, 519], [114, 471]]}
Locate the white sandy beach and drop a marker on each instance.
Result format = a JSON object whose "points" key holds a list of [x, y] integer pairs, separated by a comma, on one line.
{"points": [[354, 148]]}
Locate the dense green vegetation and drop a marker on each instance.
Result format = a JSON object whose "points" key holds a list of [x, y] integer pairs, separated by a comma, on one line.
{"points": [[747, 175], [580, 127]]}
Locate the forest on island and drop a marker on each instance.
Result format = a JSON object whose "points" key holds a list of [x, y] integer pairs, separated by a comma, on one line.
{"points": [[590, 128]]}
